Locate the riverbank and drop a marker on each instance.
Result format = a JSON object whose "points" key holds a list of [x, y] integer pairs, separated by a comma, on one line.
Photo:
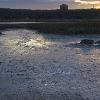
{"points": [[70, 27]]}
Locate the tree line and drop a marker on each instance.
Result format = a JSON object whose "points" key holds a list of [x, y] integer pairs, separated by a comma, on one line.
{"points": [[26, 14]]}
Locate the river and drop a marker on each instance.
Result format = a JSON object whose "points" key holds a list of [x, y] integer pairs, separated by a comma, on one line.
{"points": [[38, 66]]}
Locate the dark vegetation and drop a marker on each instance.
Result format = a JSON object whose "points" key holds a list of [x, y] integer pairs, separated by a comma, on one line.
{"points": [[54, 21], [82, 27], [45, 15], [79, 27]]}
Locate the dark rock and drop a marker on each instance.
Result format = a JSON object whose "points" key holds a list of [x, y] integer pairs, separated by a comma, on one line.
{"points": [[0, 33], [97, 42], [87, 42]]}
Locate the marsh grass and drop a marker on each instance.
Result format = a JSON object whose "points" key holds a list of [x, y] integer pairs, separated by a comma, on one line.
{"points": [[82, 27], [75, 27]]}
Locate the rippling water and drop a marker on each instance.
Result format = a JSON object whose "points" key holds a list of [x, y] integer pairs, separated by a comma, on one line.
{"points": [[36, 66]]}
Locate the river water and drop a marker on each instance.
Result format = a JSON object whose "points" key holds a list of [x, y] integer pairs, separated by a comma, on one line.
{"points": [[37, 66]]}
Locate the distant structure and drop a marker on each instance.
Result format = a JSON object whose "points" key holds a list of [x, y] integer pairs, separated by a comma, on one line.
{"points": [[93, 7], [63, 7]]}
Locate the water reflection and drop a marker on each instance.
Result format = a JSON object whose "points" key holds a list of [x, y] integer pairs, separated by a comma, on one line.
{"points": [[62, 66], [22, 40], [38, 41]]}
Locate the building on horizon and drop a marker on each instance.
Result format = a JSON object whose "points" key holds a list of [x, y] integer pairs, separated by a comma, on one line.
{"points": [[63, 7]]}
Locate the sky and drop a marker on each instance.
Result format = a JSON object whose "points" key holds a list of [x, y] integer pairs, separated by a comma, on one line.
{"points": [[48, 4]]}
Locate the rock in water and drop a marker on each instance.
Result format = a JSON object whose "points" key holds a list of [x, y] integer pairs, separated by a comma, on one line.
{"points": [[97, 42], [0, 33], [87, 42]]}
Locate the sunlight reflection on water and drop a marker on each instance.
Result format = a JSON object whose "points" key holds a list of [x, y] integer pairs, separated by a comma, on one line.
{"points": [[21, 40], [40, 41]]}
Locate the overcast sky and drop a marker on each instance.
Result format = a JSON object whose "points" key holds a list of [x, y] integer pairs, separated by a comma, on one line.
{"points": [[47, 4]]}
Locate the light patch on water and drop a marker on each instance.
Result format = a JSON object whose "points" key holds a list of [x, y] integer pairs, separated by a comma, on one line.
{"points": [[20, 41], [38, 42]]}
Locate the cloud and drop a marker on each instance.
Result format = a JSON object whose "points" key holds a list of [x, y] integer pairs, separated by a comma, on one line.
{"points": [[88, 1], [45, 4]]}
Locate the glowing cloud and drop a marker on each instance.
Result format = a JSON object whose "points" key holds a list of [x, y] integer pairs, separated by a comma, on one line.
{"points": [[87, 2]]}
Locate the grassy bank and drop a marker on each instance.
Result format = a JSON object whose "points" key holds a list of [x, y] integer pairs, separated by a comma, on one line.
{"points": [[82, 27], [77, 27]]}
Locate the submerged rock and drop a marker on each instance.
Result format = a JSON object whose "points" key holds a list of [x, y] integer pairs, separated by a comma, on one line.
{"points": [[87, 42]]}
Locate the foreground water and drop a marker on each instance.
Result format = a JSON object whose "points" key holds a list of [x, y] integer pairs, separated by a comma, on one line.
{"points": [[36, 66]]}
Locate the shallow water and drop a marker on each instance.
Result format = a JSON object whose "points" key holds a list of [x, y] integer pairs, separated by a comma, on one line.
{"points": [[37, 66]]}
